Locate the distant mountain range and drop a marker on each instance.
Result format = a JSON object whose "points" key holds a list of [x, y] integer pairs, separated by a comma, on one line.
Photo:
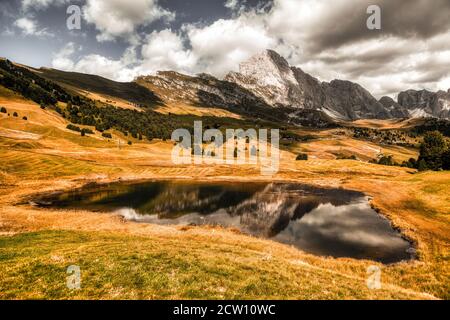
{"points": [[265, 87], [268, 79]]}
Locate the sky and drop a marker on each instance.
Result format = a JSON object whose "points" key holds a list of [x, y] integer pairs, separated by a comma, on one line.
{"points": [[122, 39]]}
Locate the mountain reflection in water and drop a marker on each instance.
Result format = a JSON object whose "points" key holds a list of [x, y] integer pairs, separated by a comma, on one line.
{"points": [[327, 222]]}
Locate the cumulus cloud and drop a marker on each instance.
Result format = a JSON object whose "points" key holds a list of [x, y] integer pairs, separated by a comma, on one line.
{"points": [[120, 18], [119, 70], [164, 50], [62, 59], [220, 47]]}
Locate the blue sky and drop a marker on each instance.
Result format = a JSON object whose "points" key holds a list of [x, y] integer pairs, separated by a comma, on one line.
{"points": [[121, 39]]}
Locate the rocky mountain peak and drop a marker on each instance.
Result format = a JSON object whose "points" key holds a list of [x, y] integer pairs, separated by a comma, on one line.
{"points": [[424, 103], [266, 80], [269, 76], [264, 63]]}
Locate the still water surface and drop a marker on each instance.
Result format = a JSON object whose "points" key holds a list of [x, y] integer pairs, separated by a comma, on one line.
{"points": [[326, 222]]}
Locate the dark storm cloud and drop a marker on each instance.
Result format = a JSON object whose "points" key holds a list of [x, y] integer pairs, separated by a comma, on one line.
{"points": [[430, 71], [369, 58], [345, 23]]}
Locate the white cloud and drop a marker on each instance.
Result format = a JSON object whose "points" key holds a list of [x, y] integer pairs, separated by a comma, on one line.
{"points": [[121, 18], [221, 46], [232, 4], [165, 50], [42, 4], [383, 64], [29, 27], [119, 70], [62, 59]]}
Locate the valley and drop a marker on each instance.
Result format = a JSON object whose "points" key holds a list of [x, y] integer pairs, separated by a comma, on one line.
{"points": [[130, 260]]}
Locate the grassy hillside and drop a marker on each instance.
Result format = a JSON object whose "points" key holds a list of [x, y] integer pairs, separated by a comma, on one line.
{"points": [[128, 91], [126, 260]]}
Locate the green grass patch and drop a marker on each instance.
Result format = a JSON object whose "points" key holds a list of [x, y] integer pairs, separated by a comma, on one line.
{"points": [[117, 266]]}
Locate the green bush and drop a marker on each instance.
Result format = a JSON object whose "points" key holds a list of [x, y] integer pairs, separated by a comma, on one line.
{"points": [[302, 157], [411, 163], [25, 118], [345, 157], [432, 149], [73, 128], [3, 110], [15, 114], [87, 131], [446, 160], [422, 165], [386, 161], [106, 135]]}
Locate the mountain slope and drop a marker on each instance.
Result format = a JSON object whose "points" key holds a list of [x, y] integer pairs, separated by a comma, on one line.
{"points": [[128, 91], [425, 103], [207, 91], [269, 76]]}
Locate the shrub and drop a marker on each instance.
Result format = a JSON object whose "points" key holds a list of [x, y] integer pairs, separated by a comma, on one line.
{"points": [[432, 149], [25, 118], [83, 133], [446, 160], [87, 131], [302, 157], [422, 165], [130, 143], [15, 114], [73, 128], [3, 110], [411, 163], [386, 161], [107, 135], [345, 157]]}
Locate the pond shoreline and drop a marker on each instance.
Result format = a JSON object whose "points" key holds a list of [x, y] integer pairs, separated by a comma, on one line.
{"points": [[36, 200]]}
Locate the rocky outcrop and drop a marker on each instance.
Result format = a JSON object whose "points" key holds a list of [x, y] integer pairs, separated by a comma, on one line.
{"points": [[266, 86], [207, 91], [269, 76], [394, 108], [425, 103], [352, 101]]}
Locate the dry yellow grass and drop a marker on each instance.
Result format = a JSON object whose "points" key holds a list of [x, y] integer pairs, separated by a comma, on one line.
{"points": [[197, 262], [384, 124], [328, 144], [185, 109]]}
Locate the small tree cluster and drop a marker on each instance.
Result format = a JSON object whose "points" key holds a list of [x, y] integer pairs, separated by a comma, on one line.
{"points": [[73, 128], [434, 152]]}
